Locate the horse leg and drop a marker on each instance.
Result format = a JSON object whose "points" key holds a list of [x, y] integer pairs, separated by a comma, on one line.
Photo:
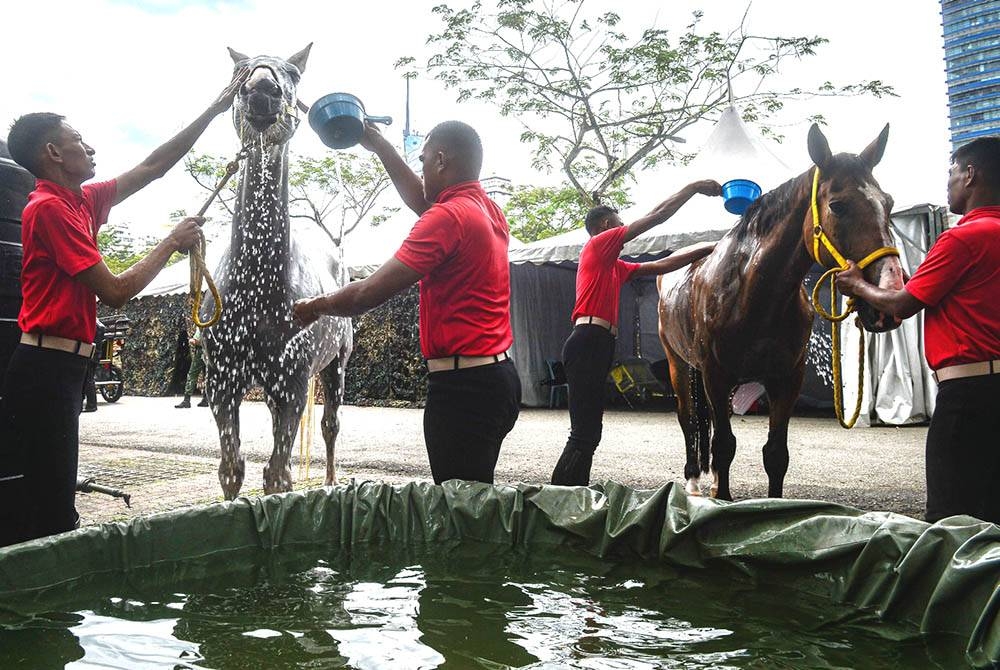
{"points": [[781, 395], [332, 378], [691, 415], [224, 401], [286, 407], [717, 388]]}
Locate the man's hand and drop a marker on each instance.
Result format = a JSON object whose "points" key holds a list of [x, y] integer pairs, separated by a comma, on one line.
{"points": [[225, 99], [305, 311], [372, 137], [850, 280], [706, 187], [186, 234]]}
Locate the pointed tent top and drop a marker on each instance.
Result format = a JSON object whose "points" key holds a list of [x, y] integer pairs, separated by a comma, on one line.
{"points": [[733, 152], [730, 152]]}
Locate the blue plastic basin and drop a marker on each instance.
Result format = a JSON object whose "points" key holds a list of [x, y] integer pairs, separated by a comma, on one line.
{"points": [[338, 119], [738, 194]]}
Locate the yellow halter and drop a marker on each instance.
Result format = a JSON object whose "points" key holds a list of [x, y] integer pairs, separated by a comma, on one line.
{"points": [[819, 236]]}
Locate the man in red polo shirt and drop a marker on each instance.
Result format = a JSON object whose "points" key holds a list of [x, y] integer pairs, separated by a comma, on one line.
{"points": [[61, 275], [590, 348], [457, 250], [958, 287]]}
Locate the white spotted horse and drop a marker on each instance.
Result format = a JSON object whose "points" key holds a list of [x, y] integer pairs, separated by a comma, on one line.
{"points": [[268, 265]]}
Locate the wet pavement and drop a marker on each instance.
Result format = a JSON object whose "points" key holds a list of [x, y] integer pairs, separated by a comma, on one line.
{"points": [[167, 458]]}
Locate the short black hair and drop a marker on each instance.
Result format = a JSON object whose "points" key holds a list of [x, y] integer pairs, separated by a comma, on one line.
{"points": [[464, 140], [595, 216], [28, 134], [983, 153]]}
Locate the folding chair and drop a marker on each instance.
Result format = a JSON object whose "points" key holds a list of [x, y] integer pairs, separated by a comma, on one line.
{"points": [[556, 381], [633, 379]]}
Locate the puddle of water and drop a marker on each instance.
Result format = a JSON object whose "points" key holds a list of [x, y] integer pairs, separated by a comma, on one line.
{"points": [[467, 606]]}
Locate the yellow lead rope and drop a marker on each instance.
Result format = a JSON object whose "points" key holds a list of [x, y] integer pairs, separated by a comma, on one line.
{"points": [[834, 318], [199, 269]]}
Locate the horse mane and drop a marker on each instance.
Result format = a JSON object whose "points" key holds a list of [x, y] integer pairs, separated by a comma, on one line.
{"points": [[766, 211]]}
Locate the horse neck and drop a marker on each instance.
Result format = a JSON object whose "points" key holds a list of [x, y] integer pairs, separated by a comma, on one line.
{"points": [[260, 233], [782, 255]]}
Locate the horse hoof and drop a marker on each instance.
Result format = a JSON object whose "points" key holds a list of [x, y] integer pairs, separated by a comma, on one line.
{"points": [[692, 488]]}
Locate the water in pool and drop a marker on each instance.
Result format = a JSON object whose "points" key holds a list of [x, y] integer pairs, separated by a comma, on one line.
{"points": [[466, 606]]}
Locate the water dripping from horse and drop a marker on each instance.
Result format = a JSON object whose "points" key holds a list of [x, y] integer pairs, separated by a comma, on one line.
{"points": [[741, 314]]}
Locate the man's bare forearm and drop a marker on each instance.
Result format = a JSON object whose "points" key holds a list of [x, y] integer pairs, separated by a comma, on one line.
{"points": [[675, 261], [897, 302], [660, 213], [404, 179]]}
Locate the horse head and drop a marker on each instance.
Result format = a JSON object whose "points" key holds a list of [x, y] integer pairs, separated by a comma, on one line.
{"points": [[267, 102], [853, 213]]}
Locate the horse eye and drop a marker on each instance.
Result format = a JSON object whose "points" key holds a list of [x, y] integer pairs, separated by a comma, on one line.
{"points": [[838, 207]]}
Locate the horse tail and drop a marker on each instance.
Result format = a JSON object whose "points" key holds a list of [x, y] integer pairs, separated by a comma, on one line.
{"points": [[701, 415]]}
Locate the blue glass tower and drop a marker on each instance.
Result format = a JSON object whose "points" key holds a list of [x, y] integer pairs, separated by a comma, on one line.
{"points": [[972, 63]]}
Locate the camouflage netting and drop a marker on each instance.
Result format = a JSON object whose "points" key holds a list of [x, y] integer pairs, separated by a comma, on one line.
{"points": [[155, 357], [386, 367]]}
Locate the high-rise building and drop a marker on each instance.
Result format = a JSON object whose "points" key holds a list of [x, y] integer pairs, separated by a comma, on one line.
{"points": [[972, 63]]}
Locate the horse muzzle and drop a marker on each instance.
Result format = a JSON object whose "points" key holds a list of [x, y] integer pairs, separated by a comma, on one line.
{"points": [[875, 321], [262, 122], [886, 273]]}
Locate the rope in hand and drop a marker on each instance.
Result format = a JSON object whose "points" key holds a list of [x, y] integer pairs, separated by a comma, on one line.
{"points": [[820, 237], [199, 270]]}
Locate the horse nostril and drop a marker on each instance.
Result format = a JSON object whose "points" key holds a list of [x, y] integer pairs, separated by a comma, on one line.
{"points": [[266, 87]]}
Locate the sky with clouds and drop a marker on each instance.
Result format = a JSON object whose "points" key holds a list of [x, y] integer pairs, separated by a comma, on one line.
{"points": [[129, 74]]}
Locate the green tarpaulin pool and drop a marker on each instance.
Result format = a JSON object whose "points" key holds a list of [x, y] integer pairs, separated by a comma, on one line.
{"points": [[886, 577]]}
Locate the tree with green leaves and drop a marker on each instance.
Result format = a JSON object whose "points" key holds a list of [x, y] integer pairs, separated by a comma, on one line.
{"points": [[599, 104], [119, 250], [539, 212], [349, 182]]}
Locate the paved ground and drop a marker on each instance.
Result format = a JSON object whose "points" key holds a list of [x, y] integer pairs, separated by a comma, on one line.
{"points": [[167, 458]]}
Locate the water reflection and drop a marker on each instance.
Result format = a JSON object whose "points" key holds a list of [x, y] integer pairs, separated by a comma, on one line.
{"points": [[475, 606], [384, 630]]}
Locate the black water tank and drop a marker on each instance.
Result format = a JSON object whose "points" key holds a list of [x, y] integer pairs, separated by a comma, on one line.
{"points": [[15, 185]]}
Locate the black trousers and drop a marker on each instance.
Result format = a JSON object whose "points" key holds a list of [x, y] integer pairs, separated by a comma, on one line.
{"points": [[963, 450], [468, 414], [40, 446], [587, 357], [89, 383]]}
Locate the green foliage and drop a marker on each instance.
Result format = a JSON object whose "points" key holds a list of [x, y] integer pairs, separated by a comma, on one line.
{"points": [[590, 95], [350, 182], [118, 250], [538, 212]]}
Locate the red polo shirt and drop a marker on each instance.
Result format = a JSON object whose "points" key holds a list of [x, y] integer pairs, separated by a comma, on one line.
{"points": [[459, 245], [600, 276], [959, 281], [59, 235]]}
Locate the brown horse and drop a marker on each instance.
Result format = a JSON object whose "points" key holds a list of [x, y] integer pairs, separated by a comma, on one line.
{"points": [[742, 314]]}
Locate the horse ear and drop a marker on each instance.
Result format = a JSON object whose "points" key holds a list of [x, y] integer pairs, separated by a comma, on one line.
{"points": [[299, 59], [873, 152], [236, 55], [819, 147]]}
